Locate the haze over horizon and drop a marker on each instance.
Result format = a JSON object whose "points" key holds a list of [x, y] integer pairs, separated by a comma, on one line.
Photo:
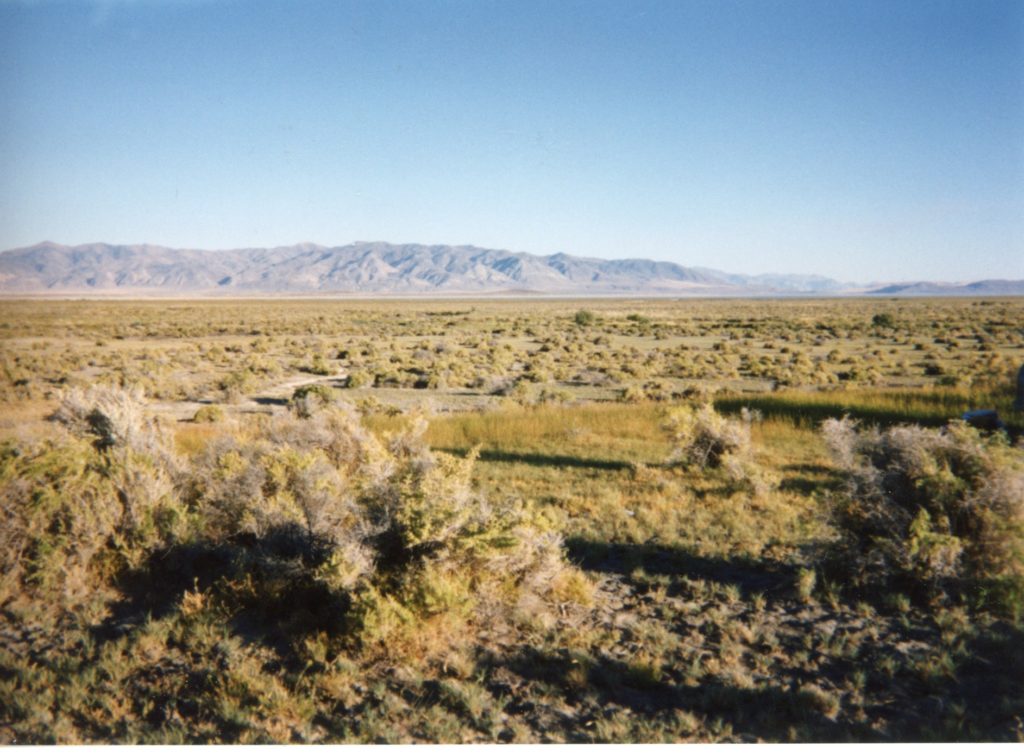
{"points": [[863, 141]]}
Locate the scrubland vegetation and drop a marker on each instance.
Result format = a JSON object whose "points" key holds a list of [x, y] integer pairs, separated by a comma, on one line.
{"points": [[600, 521]]}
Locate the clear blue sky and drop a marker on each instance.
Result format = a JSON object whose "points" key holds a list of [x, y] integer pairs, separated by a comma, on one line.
{"points": [[862, 140]]}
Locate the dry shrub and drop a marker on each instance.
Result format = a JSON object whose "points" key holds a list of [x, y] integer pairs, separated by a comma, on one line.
{"points": [[704, 439], [73, 514], [934, 509], [442, 549], [293, 472], [209, 414], [632, 394], [310, 398], [393, 529], [280, 517], [111, 416]]}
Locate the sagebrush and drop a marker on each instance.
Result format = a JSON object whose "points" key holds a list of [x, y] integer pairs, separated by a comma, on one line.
{"points": [[392, 533], [936, 510]]}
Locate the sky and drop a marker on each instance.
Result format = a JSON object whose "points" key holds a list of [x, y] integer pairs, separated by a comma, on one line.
{"points": [[866, 141]]}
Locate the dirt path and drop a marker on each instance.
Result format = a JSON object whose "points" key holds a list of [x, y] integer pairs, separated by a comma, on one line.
{"points": [[273, 398], [284, 390]]}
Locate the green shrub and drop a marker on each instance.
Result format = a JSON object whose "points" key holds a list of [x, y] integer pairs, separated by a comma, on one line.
{"points": [[391, 529], [293, 516], [310, 398], [658, 390], [77, 511], [358, 379], [209, 414], [584, 318], [238, 383], [554, 396], [320, 366], [937, 511], [632, 394], [704, 439]]}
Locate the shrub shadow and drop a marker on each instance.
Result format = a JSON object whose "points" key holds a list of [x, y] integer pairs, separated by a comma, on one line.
{"points": [[282, 401], [808, 478], [812, 414], [265, 581], [751, 576], [753, 713], [544, 460], [987, 686]]}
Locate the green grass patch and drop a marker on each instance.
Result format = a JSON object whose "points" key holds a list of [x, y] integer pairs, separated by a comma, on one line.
{"points": [[928, 406], [603, 435]]}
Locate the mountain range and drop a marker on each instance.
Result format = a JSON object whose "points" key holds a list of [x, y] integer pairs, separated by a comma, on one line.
{"points": [[402, 269]]}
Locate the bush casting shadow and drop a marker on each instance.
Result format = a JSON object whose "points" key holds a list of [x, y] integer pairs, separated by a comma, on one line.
{"points": [[766, 712], [751, 576], [272, 597], [279, 401], [543, 459], [810, 478]]}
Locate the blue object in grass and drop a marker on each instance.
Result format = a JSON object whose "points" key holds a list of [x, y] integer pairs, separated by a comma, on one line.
{"points": [[986, 419]]}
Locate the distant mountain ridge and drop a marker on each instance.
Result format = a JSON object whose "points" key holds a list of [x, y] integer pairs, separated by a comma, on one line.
{"points": [[398, 269], [981, 287]]}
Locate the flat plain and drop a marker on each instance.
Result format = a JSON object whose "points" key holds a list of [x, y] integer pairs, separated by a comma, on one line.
{"points": [[510, 521]]}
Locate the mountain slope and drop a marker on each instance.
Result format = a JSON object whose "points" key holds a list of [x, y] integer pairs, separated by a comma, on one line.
{"points": [[400, 269], [355, 268], [981, 287]]}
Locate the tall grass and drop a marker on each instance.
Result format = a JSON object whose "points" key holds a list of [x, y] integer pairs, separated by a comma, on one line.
{"points": [[633, 433], [929, 406], [611, 432]]}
